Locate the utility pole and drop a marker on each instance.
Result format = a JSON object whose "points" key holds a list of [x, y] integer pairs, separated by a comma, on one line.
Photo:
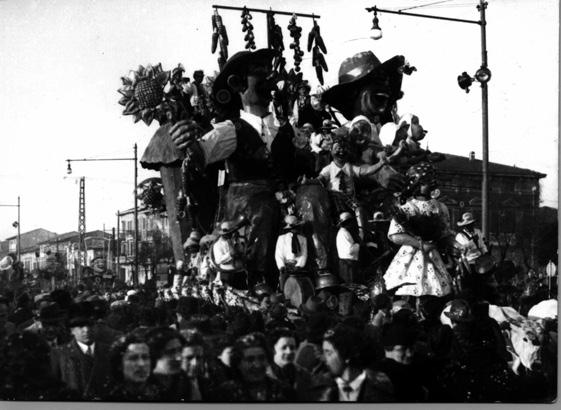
{"points": [[485, 126], [82, 227], [135, 277]]}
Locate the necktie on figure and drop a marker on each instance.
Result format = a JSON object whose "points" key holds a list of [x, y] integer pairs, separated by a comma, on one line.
{"points": [[343, 185], [89, 351], [295, 244]]}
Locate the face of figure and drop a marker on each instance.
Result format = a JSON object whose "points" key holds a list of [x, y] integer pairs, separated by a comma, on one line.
{"points": [[401, 354], [170, 360], [333, 359], [253, 364], [361, 131], [339, 151], [285, 350], [136, 363], [259, 87], [192, 361], [83, 334], [198, 77], [373, 102]]}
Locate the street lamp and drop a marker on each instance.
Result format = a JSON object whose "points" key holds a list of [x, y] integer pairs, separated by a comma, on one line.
{"points": [[135, 159], [16, 224], [375, 31], [482, 75]]}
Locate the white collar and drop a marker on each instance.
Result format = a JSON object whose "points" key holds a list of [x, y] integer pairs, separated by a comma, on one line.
{"points": [[354, 384], [84, 347], [256, 121]]}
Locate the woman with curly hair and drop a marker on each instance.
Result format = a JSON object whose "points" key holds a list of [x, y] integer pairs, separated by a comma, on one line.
{"points": [[422, 227], [130, 367], [250, 359]]}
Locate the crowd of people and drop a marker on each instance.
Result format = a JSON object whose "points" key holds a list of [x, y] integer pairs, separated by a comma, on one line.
{"points": [[150, 344]]}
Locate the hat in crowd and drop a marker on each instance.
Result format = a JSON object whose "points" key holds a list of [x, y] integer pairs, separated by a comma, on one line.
{"points": [[304, 84], [238, 65], [327, 280], [291, 221], [314, 304], [327, 125], [377, 217], [363, 69], [459, 311], [51, 313], [467, 218], [79, 315], [193, 239], [6, 263], [22, 318], [395, 334], [227, 227], [344, 217]]}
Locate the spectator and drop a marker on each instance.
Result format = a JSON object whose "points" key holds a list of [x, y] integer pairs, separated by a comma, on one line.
{"points": [[130, 370]]}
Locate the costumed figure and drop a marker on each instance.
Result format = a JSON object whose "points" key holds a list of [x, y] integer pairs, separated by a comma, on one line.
{"points": [[476, 261], [192, 249], [227, 256], [291, 253], [422, 227], [348, 246], [321, 143], [257, 151]]}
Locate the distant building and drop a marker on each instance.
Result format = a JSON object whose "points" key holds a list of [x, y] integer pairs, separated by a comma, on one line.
{"points": [[514, 198], [152, 228]]}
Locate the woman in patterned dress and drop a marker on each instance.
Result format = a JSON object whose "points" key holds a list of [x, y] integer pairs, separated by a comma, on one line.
{"points": [[424, 224]]}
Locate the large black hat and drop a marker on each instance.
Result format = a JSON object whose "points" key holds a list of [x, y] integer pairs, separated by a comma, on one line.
{"points": [[361, 69], [80, 314], [238, 64]]}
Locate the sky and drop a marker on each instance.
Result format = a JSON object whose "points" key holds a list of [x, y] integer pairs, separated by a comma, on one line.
{"points": [[62, 61]]}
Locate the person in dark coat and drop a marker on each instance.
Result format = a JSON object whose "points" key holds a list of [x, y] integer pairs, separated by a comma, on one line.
{"points": [[282, 342], [250, 359], [166, 346], [351, 381], [398, 340], [82, 363], [25, 375]]}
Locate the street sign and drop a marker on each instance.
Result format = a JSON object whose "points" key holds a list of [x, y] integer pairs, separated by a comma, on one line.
{"points": [[551, 269]]}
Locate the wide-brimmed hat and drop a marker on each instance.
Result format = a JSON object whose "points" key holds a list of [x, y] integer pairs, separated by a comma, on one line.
{"points": [[238, 64], [344, 217], [193, 239], [467, 218], [327, 281], [313, 305], [291, 221], [378, 216], [51, 313], [328, 125], [80, 314], [361, 69], [459, 311], [227, 227], [6, 263]]}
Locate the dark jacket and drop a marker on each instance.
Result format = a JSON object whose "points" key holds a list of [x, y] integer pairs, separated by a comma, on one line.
{"points": [[406, 380], [296, 377], [237, 391], [86, 375], [377, 388]]}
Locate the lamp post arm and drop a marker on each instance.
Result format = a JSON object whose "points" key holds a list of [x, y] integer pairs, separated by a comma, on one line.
{"points": [[286, 13], [101, 159], [403, 13]]}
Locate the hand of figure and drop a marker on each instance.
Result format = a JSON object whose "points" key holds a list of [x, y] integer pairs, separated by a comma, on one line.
{"points": [[183, 133]]}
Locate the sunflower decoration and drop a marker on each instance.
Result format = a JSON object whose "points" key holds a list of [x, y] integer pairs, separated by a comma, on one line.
{"points": [[143, 94]]}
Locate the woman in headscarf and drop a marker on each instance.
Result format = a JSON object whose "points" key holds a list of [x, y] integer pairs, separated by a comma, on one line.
{"points": [[422, 227]]}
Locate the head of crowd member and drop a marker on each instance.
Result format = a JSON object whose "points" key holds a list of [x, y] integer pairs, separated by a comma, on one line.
{"points": [[341, 350], [129, 359], [282, 342], [250, 358], [193, 355], [166, 346], [398, 341], [459, 313], [81, 324], [52, 319]]}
